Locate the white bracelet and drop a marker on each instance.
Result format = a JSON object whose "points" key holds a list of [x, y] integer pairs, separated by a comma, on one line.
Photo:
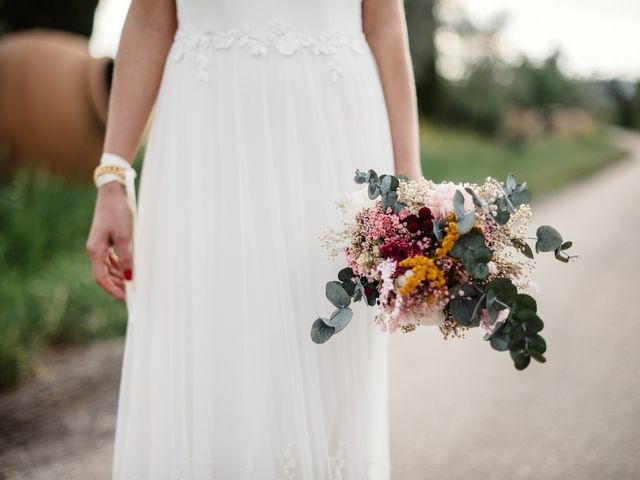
{"points": [[113, 160]]}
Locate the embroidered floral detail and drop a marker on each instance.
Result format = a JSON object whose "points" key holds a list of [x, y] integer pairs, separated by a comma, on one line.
{"points": [[201, 465], [278, 38], [287, 461], [338, 462]]}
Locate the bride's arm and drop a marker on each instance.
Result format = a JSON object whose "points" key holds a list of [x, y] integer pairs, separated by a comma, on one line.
{"points": [[146, 38], [384, 26]]}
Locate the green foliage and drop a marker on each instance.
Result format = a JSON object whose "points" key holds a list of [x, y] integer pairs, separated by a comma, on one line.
{"points": [[47, 290], [474, 255], [547, 162], [321, 331], [543, 85], [466, 308], [421, 26], [520, 332], [549, 239], [384, 186], [465, 221]]}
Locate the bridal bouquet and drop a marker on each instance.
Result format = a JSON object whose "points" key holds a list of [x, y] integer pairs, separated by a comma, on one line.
{"points": [[452, 255]]}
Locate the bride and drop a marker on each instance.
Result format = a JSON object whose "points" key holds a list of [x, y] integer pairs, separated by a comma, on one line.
{"points": [[264, 110]]}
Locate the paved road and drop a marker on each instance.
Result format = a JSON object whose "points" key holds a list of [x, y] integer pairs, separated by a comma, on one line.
{"points": [[459, 410]]}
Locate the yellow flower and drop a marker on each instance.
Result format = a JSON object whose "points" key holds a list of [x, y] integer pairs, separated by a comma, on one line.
{"points": [[450, 238], [423, 268]]}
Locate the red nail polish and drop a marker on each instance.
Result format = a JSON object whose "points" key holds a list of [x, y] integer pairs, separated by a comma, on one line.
{"points": [[128, 274]]}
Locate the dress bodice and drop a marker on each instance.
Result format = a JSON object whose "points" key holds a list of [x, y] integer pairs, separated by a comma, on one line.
{"points": [[314, 15], [268, 28]]}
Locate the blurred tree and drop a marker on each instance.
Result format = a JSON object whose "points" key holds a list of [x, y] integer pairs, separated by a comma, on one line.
{"points": [[625, 96], [70, 15], [474, 90], [544, 85], [421, 24], [636, 106]]}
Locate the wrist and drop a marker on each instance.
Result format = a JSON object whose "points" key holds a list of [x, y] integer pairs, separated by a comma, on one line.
{"points": [[112, 188], [114, 169]]}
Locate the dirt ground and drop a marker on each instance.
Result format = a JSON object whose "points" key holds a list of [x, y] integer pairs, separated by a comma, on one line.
{"points": [[458, 409]]}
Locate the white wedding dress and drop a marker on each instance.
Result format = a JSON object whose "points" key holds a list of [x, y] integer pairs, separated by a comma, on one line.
{"points": [[265, 110]]}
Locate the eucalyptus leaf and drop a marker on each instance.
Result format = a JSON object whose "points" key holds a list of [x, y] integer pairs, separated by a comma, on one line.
{"points": [[438, 229], [458, 204], [466, 222], [346, 274], [385, 184], [524, 316], [360, 177], [502, 217], [522, 361], [483, 254], [525, 302], [517, 343], [492, 313], [320, 331], [537, 343], [491, 298], [340, 318], [502, 329], [560, 255], [504, 289], [476, 199], [480, 271], [523, 247], [537, 356], [520, 197], [499, 343], [511, 183], [359, 291], [465, 310], [389, 199], [549, 239], [371, 301], [337, 295], [349, 287], [373, 191]]}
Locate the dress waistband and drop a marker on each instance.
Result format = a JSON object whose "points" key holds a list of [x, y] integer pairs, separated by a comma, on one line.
{"points": [[278, 38]]}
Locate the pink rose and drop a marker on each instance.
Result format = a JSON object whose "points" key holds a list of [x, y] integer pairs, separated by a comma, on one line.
{"points": [[484, 320], [441, 199]]}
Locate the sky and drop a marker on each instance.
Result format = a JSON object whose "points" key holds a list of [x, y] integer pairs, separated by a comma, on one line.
{"points": [[598, 38]]}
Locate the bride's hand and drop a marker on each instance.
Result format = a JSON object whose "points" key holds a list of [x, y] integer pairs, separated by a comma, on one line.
{"points": [[111, 227]]}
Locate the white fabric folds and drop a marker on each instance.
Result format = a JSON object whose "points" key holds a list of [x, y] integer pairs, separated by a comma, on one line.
{"points": [[264, 113]]}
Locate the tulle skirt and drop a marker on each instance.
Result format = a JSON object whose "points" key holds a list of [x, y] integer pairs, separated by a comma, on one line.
{"points": [[220, 378]]}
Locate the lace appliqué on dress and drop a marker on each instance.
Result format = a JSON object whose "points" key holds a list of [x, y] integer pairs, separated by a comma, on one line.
{"points": [[279, 38], [287, 462]]}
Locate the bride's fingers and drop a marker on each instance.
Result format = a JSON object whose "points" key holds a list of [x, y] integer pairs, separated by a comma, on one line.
{"points": [[115, 275], [113, 258], [112, 265]]}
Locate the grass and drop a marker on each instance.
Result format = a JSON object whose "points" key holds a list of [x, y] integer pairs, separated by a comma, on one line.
{"points": [[47, 293], [546, 163]]}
